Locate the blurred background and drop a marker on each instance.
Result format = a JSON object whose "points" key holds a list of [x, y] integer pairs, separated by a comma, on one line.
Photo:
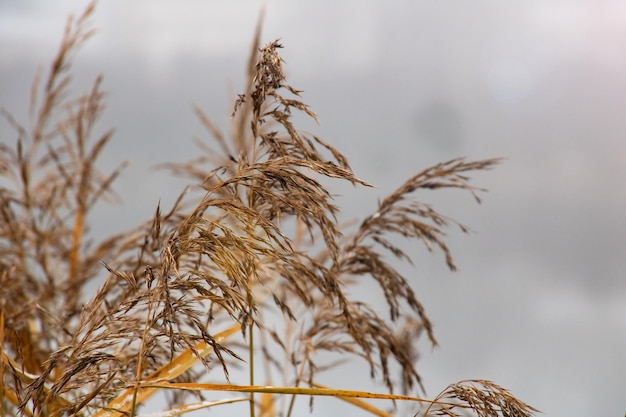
{"points": [[538, 304]]}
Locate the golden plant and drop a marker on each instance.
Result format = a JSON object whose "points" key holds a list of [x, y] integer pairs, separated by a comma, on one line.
{"points": [[200, 286]]}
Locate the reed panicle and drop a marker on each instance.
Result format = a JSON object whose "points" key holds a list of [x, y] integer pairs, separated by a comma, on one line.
{"points": [[257, 243]]}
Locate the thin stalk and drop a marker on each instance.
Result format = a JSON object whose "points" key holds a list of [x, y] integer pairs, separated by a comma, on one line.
{"points": [[323, 392], [139, 373], [296, 384], [251, 345], [251, 360]]}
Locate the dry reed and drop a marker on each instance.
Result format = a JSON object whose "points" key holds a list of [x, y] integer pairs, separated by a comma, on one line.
{"points": [[261, 241]]}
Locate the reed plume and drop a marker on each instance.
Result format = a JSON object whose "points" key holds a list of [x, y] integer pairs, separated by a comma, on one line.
{"points": [[197, 290]]}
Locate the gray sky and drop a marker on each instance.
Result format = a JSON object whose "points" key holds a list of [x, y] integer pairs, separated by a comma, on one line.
{"points": [[539, 302]]}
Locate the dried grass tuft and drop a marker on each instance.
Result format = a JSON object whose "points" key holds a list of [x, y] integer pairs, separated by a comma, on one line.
{"points": [[256, 244], [484, 398]]}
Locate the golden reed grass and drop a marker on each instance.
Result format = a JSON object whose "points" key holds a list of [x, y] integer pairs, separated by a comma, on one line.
{"points": [[196, 290]]}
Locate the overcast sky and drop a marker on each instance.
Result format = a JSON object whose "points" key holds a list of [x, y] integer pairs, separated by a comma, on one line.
{"points": [[539, 302]]}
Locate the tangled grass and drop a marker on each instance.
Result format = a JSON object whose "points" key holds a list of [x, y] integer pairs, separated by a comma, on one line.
{"points": [[196, 291]]}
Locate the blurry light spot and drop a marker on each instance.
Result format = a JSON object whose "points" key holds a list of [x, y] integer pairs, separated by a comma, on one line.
{"points": [[509, 81]]}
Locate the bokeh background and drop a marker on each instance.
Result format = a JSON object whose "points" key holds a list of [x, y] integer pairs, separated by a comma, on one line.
{"points": [[538, 304]]}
